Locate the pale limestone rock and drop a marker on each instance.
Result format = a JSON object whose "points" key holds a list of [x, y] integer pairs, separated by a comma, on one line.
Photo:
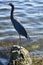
{"points": [[25, 57]]}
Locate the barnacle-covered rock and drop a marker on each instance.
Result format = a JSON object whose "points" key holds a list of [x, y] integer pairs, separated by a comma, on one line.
{"points": [[20, 55]]}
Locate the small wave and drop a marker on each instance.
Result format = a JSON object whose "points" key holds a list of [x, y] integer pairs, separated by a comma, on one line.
{"points": [[38, 1], [7, 30]]}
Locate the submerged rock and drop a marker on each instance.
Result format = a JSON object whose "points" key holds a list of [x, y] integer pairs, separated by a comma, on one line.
{"points": [[20, 55]]}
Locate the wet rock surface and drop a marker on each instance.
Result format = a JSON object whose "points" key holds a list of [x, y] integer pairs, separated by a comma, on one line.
{"points": [[23, 56]]}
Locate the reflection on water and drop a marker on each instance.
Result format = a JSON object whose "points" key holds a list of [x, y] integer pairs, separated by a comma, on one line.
{"points": [[3, 61], [30, 14]]}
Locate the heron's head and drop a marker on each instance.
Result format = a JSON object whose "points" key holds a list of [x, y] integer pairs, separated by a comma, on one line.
{"points": [[11, 5]]}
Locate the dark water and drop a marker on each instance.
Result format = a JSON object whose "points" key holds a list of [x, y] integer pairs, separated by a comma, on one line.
{"points": [[28, 12]]}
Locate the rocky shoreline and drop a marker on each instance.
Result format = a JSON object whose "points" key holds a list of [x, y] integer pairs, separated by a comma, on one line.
{"points": [[35, 48]]}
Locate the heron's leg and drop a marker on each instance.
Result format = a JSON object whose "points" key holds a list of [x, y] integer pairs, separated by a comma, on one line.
{"points": [[20, 45], [20, 40]]}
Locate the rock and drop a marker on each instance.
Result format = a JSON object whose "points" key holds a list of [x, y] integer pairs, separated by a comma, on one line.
{"points": [[20, 55]]}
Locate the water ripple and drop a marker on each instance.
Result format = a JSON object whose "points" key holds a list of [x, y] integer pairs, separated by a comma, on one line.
{"points": [[28, 12]]}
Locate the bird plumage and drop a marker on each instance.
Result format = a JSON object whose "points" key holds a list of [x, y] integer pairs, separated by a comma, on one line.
{"points": [[20, 29]]}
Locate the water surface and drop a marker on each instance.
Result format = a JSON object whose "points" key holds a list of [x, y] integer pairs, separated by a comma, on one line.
{"points": [[28, 12]]}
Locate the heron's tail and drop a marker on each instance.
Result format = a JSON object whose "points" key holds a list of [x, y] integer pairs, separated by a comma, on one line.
{"points": [[28, 38]]}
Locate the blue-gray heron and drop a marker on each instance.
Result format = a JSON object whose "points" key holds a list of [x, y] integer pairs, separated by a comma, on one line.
{"points": [[20, 29]]}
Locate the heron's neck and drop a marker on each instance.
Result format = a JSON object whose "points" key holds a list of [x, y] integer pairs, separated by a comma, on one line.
{"points": [[11, 14]]}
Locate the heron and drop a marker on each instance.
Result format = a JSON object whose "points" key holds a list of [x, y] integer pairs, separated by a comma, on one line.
{"points": [[19, 28]]}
